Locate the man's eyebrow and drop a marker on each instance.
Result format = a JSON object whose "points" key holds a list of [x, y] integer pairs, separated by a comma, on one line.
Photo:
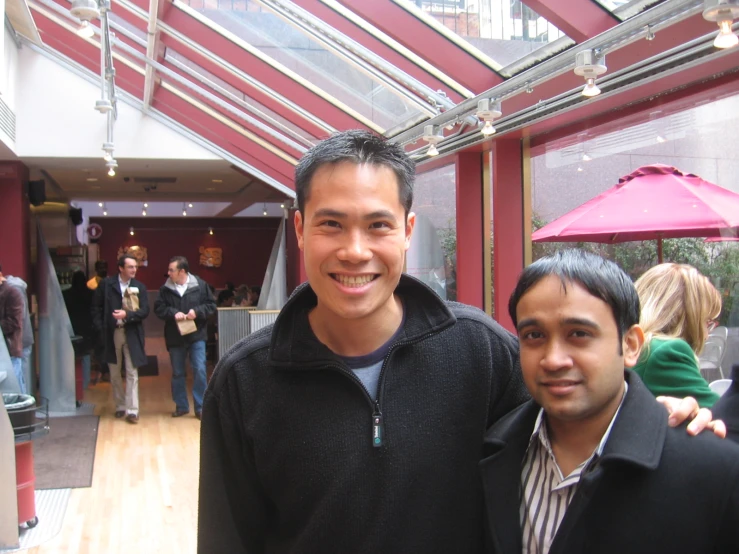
{"points": [[380, 214], [329, 212], [567, 321], [336, 214], [526, 322]]}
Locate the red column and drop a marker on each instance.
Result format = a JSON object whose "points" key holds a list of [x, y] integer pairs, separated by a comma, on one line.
{"points": [[470, 229], [14, 220], [508, 253]]}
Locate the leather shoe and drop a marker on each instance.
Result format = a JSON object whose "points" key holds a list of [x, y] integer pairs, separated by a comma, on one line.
{"points": [[132, 418], [120, 413], [180, 413]]}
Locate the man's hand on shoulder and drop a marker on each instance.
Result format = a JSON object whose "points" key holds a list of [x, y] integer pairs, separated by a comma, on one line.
{"points": [[684, 409]]}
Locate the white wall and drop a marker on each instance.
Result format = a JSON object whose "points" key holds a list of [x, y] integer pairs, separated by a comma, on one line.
{"points": [[8, 76], [57, 118]]}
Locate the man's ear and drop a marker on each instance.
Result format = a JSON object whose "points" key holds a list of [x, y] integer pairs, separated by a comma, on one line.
{"points": [[299, 228], [632, 344], [410, 223]]}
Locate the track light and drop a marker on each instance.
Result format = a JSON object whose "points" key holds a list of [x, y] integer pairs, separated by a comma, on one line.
{"points": [[661, 139], [130, 231], [143, 209], [723, 12], [146, 204], [85, 30], [108, 151], [189, 205], [282, 206], [585, 157], [264, 212], [433, 136], [105, 212], [105, 209], [111, 165], [590, 65], [100, 204], [487, 111], [210, 230]]}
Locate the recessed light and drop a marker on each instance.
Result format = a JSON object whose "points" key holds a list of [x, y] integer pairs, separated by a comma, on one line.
{"points": [[216, 180], [95, 187], [92, 179], [210, 188]]}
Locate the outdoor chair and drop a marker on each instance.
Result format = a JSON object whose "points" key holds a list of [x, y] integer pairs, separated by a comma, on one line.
{"points": [[720, 386], [712, 356]]}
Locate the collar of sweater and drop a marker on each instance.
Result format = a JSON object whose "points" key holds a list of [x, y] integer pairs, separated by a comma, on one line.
{"points": [[294, 346]]}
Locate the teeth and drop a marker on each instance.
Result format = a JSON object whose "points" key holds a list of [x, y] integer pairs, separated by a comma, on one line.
{"points": [[354, 281]]}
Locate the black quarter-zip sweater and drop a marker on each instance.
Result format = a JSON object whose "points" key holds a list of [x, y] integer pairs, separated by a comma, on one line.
{"points": [[289, 456]]}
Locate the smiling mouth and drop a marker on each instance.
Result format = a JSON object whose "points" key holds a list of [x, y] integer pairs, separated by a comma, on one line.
{"points": [[354, 280]]}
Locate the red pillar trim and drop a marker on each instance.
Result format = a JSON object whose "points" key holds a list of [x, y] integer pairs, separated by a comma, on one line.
{"points": [[508, 249], [470, 240], [578, 19], [14, 220]]}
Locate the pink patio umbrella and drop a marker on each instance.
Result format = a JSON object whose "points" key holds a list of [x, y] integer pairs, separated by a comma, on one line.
{"points": [[654, 202]]}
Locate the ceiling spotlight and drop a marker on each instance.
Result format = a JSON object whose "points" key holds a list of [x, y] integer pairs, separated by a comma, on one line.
{"points": [[146, 204], [100, 204], [585, 157], [661, 139], [650, 33], [590, 65], [130, 231], [579, 168], [487, 111], [264, 212], [143, 212], [189, 205], [282, 206], [184, 212], [433, 136], [723, 12], [184, 208], [105, 212], [111, 165], [103, 105], [85, 30], [108, 149], [210, 230], [85, 10]]}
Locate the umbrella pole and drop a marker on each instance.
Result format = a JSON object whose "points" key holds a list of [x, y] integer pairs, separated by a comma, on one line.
{"points": [[659, 250]]}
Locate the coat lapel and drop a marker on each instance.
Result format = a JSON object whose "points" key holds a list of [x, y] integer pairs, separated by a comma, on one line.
{"points": [[506, 444]]}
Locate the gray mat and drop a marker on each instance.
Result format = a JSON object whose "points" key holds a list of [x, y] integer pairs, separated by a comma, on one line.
{"points": [[64, 458]]}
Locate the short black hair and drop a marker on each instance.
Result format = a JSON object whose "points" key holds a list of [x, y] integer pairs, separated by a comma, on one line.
{"points": [[122, 260], [600, 277], [358, 147], [181, 262]]}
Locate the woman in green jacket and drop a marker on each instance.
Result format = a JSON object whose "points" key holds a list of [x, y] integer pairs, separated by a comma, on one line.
{"points": [[679, 307]]}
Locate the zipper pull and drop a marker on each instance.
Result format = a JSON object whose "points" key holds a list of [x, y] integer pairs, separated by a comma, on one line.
{"points": [[378, 427]]}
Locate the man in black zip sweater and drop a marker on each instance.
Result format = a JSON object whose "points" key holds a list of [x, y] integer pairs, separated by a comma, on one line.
{"points": [[355, 424]]}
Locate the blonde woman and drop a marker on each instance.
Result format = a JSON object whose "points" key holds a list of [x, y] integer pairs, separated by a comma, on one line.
{"points": [[679, 307]]}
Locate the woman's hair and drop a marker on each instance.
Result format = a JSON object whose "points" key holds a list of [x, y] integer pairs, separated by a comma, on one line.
{"points": [[677, 301]]}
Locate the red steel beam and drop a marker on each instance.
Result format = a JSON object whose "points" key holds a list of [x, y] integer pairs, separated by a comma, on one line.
{"points": [[427, 43], [260, 70], [346, 27], [578, 19], [222, 135]]}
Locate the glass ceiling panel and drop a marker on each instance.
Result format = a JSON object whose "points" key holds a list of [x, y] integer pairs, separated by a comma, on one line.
{"points": [[309, 59], [624, 9], [500, 33], [237, 96]]}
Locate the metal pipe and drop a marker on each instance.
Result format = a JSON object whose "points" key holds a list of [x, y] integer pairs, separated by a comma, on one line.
{"points": [[151, 31]]}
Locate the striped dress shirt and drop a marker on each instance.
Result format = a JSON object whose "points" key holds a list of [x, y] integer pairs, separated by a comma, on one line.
{"points": [[545, 492]]}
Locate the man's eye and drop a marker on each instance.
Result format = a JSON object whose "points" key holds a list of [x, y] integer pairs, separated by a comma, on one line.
{"points": [[532, 335], [330, 223], [580, 334], [380, 225]]}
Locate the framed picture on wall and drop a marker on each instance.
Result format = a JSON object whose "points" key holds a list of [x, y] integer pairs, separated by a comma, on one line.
{"points": [[211, 256], [138, 252]]}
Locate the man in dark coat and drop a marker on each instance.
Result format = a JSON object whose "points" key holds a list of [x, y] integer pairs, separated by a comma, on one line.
{"points": [[119, 308], [598, 468], [185, 302]]}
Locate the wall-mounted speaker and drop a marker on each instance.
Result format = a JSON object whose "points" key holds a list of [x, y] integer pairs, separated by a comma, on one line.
{"points": [[75, 214], [37, 192]]}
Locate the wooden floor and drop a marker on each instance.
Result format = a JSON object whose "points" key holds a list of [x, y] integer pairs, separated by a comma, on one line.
{"points": [[143, 497]]}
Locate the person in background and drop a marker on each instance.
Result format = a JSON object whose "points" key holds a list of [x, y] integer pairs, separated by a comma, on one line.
{"points": [[78, 299], [119, 308], [679, 308], [253, 295], [599, 470], [100, 370], [11, 322], [226, 294], [28, 340], [183, 297]]}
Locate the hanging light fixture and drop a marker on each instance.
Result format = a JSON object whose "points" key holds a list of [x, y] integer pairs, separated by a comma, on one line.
{"points": [[589, 64], [111, 165], [264, 212], [184, 208], [189, 204], [105, 209], [130, 231], [723, 12], [210, 230], [143, 209], [85, 10], [108, 151], [487, 111], [433, 136]]}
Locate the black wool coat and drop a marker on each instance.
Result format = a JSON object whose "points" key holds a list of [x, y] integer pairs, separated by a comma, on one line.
{"points": [[655, 489], [107, 299]]}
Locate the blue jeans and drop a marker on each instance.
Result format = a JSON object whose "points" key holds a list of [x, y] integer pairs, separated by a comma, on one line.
{"points": [[178, 355], [18, 370]]}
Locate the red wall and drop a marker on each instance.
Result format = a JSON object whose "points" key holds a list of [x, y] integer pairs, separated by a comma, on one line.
{"points": [[14, 220], [246, 244]]}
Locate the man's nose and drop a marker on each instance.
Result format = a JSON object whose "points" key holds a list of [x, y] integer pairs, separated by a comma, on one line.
{"points": [[556, 356], [356, 247]]}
